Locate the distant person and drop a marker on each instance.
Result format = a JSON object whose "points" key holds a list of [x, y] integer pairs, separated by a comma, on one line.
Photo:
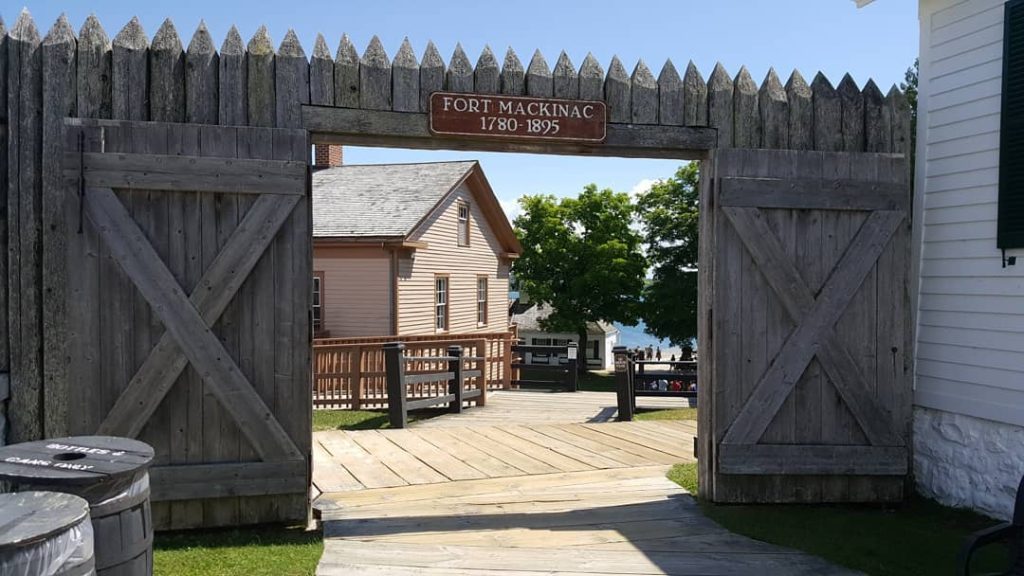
{"points": [[650, 351], [672, 358], [687, 353], [658, 354]]}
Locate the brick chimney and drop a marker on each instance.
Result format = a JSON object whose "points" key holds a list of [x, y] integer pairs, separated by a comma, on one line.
{"points": [[327, 155]]}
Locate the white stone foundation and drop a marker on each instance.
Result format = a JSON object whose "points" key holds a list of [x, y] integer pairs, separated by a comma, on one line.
{"points": [[968, 462]]}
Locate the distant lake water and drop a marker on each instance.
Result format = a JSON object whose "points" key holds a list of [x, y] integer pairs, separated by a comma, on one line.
{"points": [[634, 336]]}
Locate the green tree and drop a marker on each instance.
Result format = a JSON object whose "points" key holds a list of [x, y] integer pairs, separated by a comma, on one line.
{"points": [[670, 216], [582, 258], [909, 88]]}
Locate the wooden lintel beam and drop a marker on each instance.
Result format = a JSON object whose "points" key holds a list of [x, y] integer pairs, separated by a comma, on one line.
{"points": [[411, 130]]}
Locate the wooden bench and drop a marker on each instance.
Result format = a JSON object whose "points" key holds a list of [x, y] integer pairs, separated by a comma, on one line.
{"points": [[455, 375], [1011, 532]]}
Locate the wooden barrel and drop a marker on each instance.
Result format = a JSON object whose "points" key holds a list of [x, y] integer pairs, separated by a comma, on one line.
{"points": [[45, 534], [111, 475]]}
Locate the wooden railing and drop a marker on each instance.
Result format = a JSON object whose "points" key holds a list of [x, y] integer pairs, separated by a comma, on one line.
{"points": [[526, 375], [449, 383], [350, 372], [636, 378]]}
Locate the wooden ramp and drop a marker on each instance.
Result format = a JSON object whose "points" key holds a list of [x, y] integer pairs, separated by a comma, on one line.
{"points": [[474, 496]]}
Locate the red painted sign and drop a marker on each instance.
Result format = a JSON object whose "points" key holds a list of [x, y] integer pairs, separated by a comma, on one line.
{"points": [[517, 117]]}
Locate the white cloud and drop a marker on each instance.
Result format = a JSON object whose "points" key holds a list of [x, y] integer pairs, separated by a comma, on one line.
{"points": [[511, 208], [642, 186]]}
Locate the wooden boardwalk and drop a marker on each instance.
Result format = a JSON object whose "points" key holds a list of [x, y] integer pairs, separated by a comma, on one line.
{"points": [[467, 496]]}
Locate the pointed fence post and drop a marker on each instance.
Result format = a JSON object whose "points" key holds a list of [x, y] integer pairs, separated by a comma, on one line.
{"points": [[405, 80], [877, 126], [828, 115], [262, 82], [538, 77], [670, 96], [455, 385], [487, 75], [321, 74], [460, 72], [565, 80], [346, 74], [695, 97], [431, 75], [291, 81], [774, 109], [573, 377], [166, 76], [852, 101], [623, 385], [130, 73], [591, 79], [394, 370], [720, 111], [801, 113], [643, 95], [513, 77], [202, 66], [617, 93], [375, 77], [746, 114], [93, 70]]}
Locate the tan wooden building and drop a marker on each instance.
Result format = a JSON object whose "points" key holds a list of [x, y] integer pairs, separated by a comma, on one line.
{"points": [[409, 249]]}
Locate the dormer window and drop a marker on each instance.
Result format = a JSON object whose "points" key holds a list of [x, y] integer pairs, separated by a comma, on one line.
{"points": [[463, 208]]}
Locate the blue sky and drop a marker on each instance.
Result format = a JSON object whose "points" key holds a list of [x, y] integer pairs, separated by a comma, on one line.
{"points": [[833, 36]]}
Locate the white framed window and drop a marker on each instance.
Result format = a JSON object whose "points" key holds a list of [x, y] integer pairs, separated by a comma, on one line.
{"points": [[318, 301], [481, 300], [463, 208], [441, 303]]}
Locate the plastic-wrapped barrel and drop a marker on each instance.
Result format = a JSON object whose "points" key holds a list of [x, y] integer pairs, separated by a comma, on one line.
{"points": [[45, 534], [111, 474]]}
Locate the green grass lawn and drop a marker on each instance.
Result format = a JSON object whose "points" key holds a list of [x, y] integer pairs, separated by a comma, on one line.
{"points": [[362, 419], [921, 537], [259, 551]]}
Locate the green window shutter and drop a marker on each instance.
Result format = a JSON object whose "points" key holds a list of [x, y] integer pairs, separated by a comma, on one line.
{"points": [[1010, 231]]}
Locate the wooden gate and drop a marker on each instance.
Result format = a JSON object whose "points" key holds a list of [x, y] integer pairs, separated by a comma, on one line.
{"points": [[805, 388], [189, 263]]}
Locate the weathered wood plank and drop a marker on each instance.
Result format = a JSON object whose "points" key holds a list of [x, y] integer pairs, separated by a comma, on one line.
{"points": [[758, 459], [877, 127], [5, 340], [812, 194], [538, 77], [828, 115], [643, 95], [451, 467], [321, 74], [167, 76], [801, 113], [202, 68], [432, 74], [346, 74], [375, 77], [617, 93], [211, 296], [899, 111], [232, 82], [182, 320], [591, 79], [695, 97], [815, 322], [774, 108], [130, 73], [746, 115], [565, 80], [411, 131], [406, 465], [852, 102], [25, 109], [291, 81], [166, 172], [59, 101], [671, 96], [226, 480], [261, 90], [513, 76], [405, 80], [94, 74], [720, 105], [459, 76]]}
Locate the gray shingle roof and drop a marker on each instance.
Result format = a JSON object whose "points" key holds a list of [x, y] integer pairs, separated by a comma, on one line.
{"points": [[379, 199], [528, 317]]}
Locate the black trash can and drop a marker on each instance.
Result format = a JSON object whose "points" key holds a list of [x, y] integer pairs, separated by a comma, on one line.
{"points": [[45, 534], [111, 474]]}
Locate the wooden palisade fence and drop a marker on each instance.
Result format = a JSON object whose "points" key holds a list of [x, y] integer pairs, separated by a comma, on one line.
{"points": [[44, 80]]}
